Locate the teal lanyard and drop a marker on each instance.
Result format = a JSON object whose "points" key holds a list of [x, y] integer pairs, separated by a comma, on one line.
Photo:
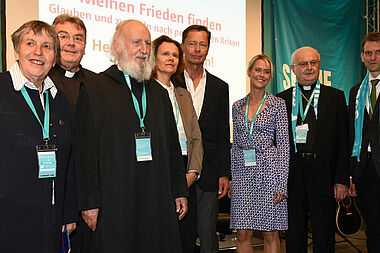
{"points": [[45, 127], [136, 103], [176, 109], [254, 117], [303, 114]]}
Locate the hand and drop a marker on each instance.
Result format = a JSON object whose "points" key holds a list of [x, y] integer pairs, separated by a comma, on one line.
{"points": [[70, 227], [352, 191], [190, 177], [224, 186], [340, 192], [181, 207], [278, 198], [229, 192], [91, 217]]}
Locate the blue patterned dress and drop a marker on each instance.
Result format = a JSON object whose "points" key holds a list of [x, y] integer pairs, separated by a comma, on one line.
{"points": [[253, 187]]}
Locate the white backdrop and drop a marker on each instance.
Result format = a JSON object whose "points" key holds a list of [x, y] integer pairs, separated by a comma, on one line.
{"points": [[224, 18]]}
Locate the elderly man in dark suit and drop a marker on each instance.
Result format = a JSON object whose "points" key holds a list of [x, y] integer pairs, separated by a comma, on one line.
{"points": [[363, 116], [318, 171], [210, 99]]}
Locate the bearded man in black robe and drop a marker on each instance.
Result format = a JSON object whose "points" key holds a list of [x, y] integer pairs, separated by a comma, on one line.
{"points": [[132, 183]]}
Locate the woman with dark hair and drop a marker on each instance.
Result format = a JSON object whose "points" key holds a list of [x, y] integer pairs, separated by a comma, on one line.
{"points": [[169, 66], [259, 161], [37, 187]]}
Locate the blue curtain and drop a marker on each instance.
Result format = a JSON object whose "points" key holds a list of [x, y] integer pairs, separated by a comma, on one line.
{"points": [[334, 28]]}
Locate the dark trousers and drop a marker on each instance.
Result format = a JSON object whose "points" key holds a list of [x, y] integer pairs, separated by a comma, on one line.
{"points": [[368, 189], [304, 197], [188, 225], [207, 218]]}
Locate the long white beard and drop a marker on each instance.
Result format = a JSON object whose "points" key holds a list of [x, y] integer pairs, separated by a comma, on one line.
{"points": [[140, 72]]}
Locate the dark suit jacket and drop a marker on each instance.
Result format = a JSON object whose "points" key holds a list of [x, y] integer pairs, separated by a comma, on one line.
{"points": [[331, 139], [215, 129], [370, 135]]}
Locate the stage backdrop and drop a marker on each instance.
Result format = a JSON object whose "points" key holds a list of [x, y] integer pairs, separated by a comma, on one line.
{"points": [[224, 18], [334, 28]]}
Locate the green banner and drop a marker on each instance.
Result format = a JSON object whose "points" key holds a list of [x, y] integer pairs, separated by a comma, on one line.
{"points": [[334, 28]]}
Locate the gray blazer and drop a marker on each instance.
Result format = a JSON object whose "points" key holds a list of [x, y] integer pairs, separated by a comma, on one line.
{"points": [[192, 131]]}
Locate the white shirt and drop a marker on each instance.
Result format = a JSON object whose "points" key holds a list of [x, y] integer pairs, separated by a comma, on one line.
{"points": [[19, 81], [176, 112], [370, 89], [377, 95], [199, 93]]}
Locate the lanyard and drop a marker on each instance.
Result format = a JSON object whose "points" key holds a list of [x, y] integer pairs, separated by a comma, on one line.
{"points": [[45, 127], [176, 109], [303, 114], [136, 103], [254, 117]]}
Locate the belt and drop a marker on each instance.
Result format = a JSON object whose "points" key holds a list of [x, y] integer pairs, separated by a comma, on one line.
{"points": [[307, 155]]}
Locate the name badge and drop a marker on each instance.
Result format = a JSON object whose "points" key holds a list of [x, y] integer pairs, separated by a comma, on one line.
{"points": [[301, 133], [182, 142], [143, 147], [47, 162], [249, 157]]}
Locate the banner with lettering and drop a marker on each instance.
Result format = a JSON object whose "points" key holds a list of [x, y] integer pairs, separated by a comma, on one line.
{"points": [[334, 28], [224, 18]]}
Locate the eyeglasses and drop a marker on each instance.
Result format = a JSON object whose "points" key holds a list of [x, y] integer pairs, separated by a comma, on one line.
{"points": [[64, 36], [304, 64]]}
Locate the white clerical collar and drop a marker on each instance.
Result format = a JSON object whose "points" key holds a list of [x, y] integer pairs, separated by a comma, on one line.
{"points": [[308, 87], [19, 81], [69, 74]]}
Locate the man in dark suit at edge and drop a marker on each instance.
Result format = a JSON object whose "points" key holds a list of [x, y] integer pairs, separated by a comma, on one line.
{"points": [[211, 102], [363, 117], [318, 171]]}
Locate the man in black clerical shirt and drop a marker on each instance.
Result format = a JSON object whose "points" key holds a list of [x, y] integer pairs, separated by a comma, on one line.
{"points": [[67, 74], [318, 171], [363, 117]]}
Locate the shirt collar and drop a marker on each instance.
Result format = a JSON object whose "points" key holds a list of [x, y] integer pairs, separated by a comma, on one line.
{"points": [[170, 88], [371, 78], [19, 81], [187, 74]]}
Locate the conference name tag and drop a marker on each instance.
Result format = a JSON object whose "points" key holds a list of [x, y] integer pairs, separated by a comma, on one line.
{"points": [[182, 142], [301, 133], [249, 157], [47, 162], [143, 147]]}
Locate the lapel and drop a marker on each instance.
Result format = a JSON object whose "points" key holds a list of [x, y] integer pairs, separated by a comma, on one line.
{"points": [[183, 109], [206, 98], [376, 111]]}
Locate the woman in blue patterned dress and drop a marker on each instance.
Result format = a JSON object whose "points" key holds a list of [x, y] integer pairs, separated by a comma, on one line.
{"points": [[259, 161]]}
